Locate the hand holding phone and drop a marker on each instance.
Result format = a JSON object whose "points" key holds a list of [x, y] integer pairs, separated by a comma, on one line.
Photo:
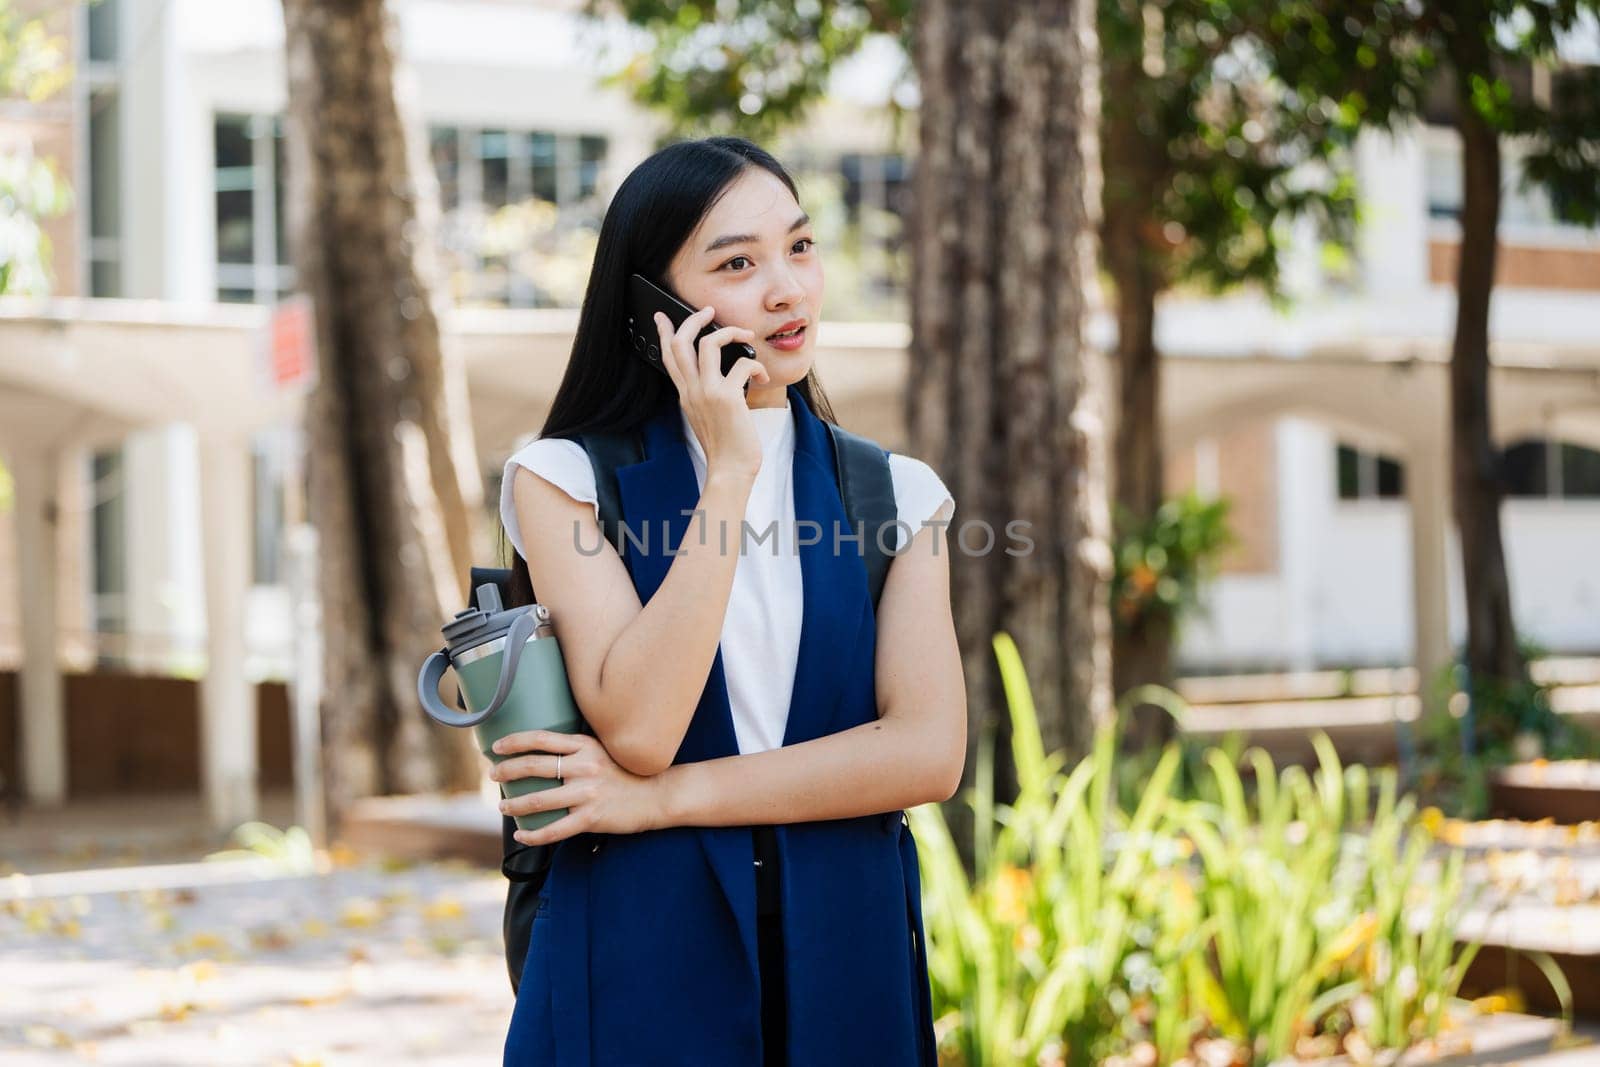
{"points": [[721, 421], [645, 299]]}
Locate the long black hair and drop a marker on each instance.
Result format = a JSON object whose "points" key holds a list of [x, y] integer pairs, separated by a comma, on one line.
{"points": [[606, 386]]}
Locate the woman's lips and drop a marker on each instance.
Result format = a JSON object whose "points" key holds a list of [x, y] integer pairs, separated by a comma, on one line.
{"points": [[790, 342]]}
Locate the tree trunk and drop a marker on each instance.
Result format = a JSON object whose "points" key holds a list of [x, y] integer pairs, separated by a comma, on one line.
{"points": [[392, 488], [1142, 648], [1492, 653], [1002, 397]]}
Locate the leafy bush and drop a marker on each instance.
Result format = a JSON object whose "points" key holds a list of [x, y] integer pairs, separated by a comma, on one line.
{"points": [[1472, 726], [1161, 564], [1291, 921]]}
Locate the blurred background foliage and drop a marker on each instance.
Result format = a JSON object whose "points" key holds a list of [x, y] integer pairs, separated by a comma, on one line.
{"points": [[33, 67]]}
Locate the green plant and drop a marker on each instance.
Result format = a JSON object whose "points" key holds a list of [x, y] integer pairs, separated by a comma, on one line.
{"points": [[1454, 767], [1050, 941], [866, 255], [532, 243], [34, 66], [289, 849], [1089, 927], [1161, 564], [1314, 916], [1134, 767]]}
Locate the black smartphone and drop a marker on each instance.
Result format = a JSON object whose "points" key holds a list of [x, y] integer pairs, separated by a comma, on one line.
{"points": [[645, 298]]}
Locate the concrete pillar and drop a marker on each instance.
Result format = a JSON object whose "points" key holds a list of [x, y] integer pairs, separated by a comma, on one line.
{"points": [[44, 723], [1428, 494], [227, 696], [159, 242], [165, 584], [1305, 496], [150, 592]]}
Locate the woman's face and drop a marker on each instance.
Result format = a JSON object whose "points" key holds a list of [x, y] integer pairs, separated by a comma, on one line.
{"points": [[753, 260]]}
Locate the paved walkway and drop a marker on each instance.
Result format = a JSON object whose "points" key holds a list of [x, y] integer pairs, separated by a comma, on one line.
{"points": [[360, 965]]}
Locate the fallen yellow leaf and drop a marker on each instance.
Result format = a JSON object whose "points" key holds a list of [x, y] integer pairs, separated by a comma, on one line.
{"points": [[198, 971], [204, 941], [41, 1036], [443, 909], [359, 912]]}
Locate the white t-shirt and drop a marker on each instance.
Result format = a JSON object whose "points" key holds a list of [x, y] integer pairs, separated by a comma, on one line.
{"points": [[761, 630]]}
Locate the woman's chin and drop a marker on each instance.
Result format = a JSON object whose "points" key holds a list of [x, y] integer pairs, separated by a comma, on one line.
{"points": [[787, 367]]}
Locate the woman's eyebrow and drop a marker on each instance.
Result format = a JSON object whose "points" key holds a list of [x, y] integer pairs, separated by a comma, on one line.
{"points": [[749, 238]]}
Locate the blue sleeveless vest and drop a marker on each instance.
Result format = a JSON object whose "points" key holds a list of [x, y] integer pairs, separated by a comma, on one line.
{"points": [[644, 950]]}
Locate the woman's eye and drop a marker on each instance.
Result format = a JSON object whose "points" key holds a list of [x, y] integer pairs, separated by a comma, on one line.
{"points": [[796, 247]]}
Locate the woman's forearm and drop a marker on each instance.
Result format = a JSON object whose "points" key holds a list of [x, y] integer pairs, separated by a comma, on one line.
{"points": [[879, 766], [654, 673]]}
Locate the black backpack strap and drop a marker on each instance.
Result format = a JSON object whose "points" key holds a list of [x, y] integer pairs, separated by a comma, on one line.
{"points": [[523, 866], [497, 576], [868, 493], [607, 452]]}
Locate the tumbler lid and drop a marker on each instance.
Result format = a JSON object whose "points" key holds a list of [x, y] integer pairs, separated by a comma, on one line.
{"points": [[489, 620]]}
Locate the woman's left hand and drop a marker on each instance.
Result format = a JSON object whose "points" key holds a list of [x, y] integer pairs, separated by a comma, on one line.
{"points": [[601, 797]]}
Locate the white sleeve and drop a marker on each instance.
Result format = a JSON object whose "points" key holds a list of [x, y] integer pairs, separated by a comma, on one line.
{"points": [[558, 461], [918, 496]]}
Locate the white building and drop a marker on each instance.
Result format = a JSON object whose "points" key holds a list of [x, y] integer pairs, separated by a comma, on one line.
{"points": [[174, 137]]}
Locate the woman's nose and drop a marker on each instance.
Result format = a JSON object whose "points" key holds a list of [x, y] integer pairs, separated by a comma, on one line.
{"points": [[786, 290]]}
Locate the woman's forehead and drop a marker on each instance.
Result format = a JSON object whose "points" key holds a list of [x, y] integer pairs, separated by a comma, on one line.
{"points": [[756, 203]]}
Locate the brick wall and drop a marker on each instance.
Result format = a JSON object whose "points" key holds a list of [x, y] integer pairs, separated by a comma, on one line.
{"points": [[1246, 472], [1522, 266]]}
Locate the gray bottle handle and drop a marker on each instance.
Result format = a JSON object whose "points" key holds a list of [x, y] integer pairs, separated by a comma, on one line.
{"points": [[522, 628]]}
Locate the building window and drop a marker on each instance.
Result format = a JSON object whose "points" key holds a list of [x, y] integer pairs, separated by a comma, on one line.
{"points": [[268, 471], [877, 199], [1365, 475], [1551, 470], [101, 148], [859, 203], [1441, 176], [1580, 471], [105, 200], [1521, 205], [108, 545], [105, 31], [250, 237], [521, 213]]}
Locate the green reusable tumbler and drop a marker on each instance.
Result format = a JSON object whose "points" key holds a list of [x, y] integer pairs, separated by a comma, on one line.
{"points": [[512, 678]]}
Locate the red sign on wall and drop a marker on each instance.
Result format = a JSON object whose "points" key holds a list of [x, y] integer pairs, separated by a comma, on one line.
{"points": [[291, 351]]}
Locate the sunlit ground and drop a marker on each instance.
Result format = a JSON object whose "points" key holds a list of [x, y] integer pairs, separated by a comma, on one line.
{"points": [[291, 957], [362, 964]]}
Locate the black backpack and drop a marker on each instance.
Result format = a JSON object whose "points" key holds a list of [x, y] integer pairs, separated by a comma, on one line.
{"points": [[869, 504]]}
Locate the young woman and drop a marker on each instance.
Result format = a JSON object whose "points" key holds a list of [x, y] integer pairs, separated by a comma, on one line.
{"points": [[735, 883]]}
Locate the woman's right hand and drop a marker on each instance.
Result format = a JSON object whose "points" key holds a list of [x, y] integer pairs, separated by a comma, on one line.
{"points": [[714, 405]]}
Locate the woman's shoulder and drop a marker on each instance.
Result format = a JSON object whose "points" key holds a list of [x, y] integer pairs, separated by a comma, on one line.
{"points": [[559, 461], [919, 493]]}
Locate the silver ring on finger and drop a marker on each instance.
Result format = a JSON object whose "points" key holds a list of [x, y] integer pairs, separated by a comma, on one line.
{"points": [[558, 766]]}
